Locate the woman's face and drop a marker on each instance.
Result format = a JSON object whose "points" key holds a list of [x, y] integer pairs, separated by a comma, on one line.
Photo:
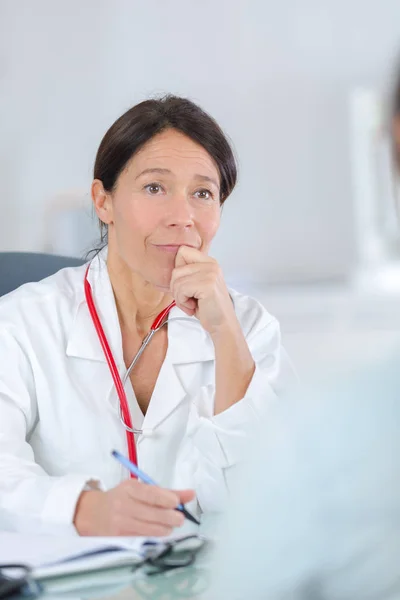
{"points": [[167, 196]]}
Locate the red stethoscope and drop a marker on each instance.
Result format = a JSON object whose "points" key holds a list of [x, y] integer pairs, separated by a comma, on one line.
{"points": [[124, 412]]}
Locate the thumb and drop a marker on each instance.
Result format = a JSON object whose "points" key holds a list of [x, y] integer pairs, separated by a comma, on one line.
{"points": [[181, 259]]}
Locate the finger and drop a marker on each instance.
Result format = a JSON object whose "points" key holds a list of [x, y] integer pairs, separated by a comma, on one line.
{"points": [[166, 517], [191, 287], [183, 300], [190, 312], [152, 494], [152, 529], [129, 508], [200, 273], [136, 527], [187, 255], [184, 294], [186, 495], [191, 269]]}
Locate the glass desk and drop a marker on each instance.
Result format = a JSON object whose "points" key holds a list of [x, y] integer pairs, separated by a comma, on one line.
{"points": [[123, 583], [190, 583]]}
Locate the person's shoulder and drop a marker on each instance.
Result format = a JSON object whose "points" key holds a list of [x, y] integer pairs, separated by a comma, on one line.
{"points": [[252, 315], [61, 288]]}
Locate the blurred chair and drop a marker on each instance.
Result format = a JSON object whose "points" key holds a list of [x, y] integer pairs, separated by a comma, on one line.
{"points": [[17, 268]]}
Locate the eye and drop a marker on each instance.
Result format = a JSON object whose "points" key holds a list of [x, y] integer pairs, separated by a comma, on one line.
{"points": [[203, 194], [153, 188]]}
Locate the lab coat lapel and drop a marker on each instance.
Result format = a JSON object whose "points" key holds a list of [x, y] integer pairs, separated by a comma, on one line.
{"points": [[83, 341], [188, 343], [167, 395]]}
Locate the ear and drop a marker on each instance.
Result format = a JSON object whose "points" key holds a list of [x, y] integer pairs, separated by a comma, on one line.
{"points": [[102, 202]]}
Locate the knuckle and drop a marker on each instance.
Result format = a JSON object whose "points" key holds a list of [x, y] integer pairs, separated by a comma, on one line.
{"points": [[125, 488], [131, 483], [133, 488]]}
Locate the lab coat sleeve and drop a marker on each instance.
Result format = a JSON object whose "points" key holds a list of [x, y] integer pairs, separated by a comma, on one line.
{"points": [[222, 441], [30, 499]]}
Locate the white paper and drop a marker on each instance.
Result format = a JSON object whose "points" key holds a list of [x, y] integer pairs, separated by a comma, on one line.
{"points": [[53, 556]]}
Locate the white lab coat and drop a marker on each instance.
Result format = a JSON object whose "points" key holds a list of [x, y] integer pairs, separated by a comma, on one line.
{"points": [[58, 405]]}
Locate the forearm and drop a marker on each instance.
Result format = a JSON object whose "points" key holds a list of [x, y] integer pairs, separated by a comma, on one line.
{"points": [[234, 367]]}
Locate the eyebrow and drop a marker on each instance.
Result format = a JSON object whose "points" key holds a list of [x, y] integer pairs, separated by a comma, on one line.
{"points": [[168, 172], [206, 178]]}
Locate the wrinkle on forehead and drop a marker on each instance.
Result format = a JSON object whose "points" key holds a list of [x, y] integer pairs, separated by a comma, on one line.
{"points": [[170, 145]]}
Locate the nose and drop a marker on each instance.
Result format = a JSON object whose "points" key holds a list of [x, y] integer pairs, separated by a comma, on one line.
{"points": [[179, 212]]}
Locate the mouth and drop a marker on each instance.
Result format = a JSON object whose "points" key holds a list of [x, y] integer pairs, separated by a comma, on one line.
{"points": [[173, 248]]}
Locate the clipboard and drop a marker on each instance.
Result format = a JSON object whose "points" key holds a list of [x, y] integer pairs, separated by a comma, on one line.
{"points": [[48, 557]]}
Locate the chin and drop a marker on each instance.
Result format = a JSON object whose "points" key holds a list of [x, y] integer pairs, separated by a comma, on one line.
{"points": [[161, 282]]}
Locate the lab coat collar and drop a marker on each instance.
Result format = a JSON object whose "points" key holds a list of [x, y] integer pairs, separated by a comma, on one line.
{"points": [[83, 341], [188, 343]]}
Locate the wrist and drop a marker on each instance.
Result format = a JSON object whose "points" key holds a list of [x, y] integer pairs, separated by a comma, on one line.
{"points": [[226, 333], [86, 507]]}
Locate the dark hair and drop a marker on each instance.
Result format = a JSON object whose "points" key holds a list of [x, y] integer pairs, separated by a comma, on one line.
{"points": [[142, 122]]}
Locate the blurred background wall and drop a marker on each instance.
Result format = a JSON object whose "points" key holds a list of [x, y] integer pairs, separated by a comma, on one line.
{"points": [[300, 87]]}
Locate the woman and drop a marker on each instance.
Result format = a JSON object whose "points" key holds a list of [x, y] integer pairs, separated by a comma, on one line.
{"points": [[162, 173]]}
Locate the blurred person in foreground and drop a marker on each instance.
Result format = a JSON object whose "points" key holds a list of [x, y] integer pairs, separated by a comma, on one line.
{"points": [[323, 521]]}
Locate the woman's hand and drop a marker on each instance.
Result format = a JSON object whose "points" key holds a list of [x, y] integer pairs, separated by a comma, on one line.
{"points": [[132, 508], [198, 287]]}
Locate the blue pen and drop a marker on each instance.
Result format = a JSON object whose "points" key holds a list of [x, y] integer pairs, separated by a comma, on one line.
{"points": [[146, 479]]}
